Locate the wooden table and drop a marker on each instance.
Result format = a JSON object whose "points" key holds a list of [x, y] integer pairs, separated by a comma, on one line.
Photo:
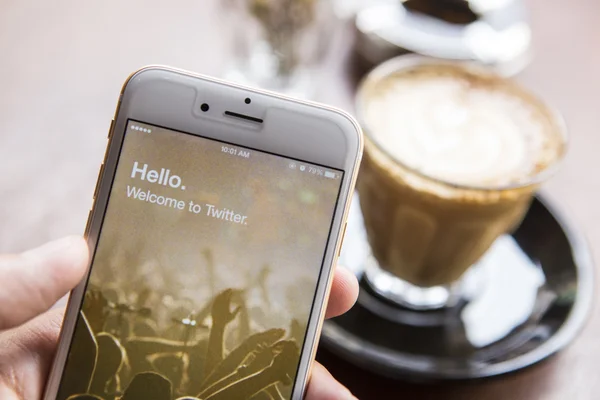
{"points": [[62, 64]]}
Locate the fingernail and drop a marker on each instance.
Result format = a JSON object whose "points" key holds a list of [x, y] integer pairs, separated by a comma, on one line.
{"points": [[52, 248]]}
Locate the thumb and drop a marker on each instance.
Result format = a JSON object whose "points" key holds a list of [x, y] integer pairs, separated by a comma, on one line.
{"points": [[323, 386], [36, 279]]}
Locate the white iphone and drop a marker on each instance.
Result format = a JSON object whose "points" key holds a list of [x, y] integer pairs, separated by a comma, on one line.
{"points": [[217, 221]]}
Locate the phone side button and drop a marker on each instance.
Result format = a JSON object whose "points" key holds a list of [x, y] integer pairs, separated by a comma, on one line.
{"points": [[98, 181], [87, 224], [343, 237], [112, 127]]}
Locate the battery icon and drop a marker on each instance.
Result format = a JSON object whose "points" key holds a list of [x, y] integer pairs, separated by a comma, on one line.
{"points": [[330, 175]]}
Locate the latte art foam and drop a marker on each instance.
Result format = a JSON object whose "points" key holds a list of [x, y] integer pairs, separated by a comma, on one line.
{"points": [[461, 129]]}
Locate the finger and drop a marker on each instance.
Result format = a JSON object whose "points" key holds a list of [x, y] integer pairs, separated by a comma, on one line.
{"points": [[344, 292], [323, 386], [29, 349], [36, 279]]}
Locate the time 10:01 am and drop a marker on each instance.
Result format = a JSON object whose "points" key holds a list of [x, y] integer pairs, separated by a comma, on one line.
{"points": [[235, 152]]}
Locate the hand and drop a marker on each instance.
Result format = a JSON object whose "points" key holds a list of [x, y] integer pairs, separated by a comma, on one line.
{"points": [[31, 283], [35, 280], [221, 308]]}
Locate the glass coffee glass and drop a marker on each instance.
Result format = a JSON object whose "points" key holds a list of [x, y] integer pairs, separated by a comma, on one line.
{"points": [[279, 45], [453, 156]]}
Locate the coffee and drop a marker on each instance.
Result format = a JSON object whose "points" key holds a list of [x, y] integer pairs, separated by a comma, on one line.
{"points": [[453, 155]]}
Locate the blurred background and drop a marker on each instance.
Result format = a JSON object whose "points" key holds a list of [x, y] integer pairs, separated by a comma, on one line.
{"points": [[62, 65]]}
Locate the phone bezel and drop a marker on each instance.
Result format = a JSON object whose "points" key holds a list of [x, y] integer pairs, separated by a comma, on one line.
{"points": [[291, 128]]}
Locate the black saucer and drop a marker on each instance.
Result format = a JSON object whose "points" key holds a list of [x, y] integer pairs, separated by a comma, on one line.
{"points": [[529, 297]]}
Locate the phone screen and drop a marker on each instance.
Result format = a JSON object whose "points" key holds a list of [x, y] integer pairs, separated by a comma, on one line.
{"points": [[205, 272]]}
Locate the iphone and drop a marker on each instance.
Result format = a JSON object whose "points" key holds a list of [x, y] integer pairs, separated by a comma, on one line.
{"points": [[217, 220]]}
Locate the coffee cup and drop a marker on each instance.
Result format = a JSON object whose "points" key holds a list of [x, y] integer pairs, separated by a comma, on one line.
{"points": [[453, 156]]}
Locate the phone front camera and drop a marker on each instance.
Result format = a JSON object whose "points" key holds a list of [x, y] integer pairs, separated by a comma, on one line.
{"points": [[204, 107], [248, 100]]}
